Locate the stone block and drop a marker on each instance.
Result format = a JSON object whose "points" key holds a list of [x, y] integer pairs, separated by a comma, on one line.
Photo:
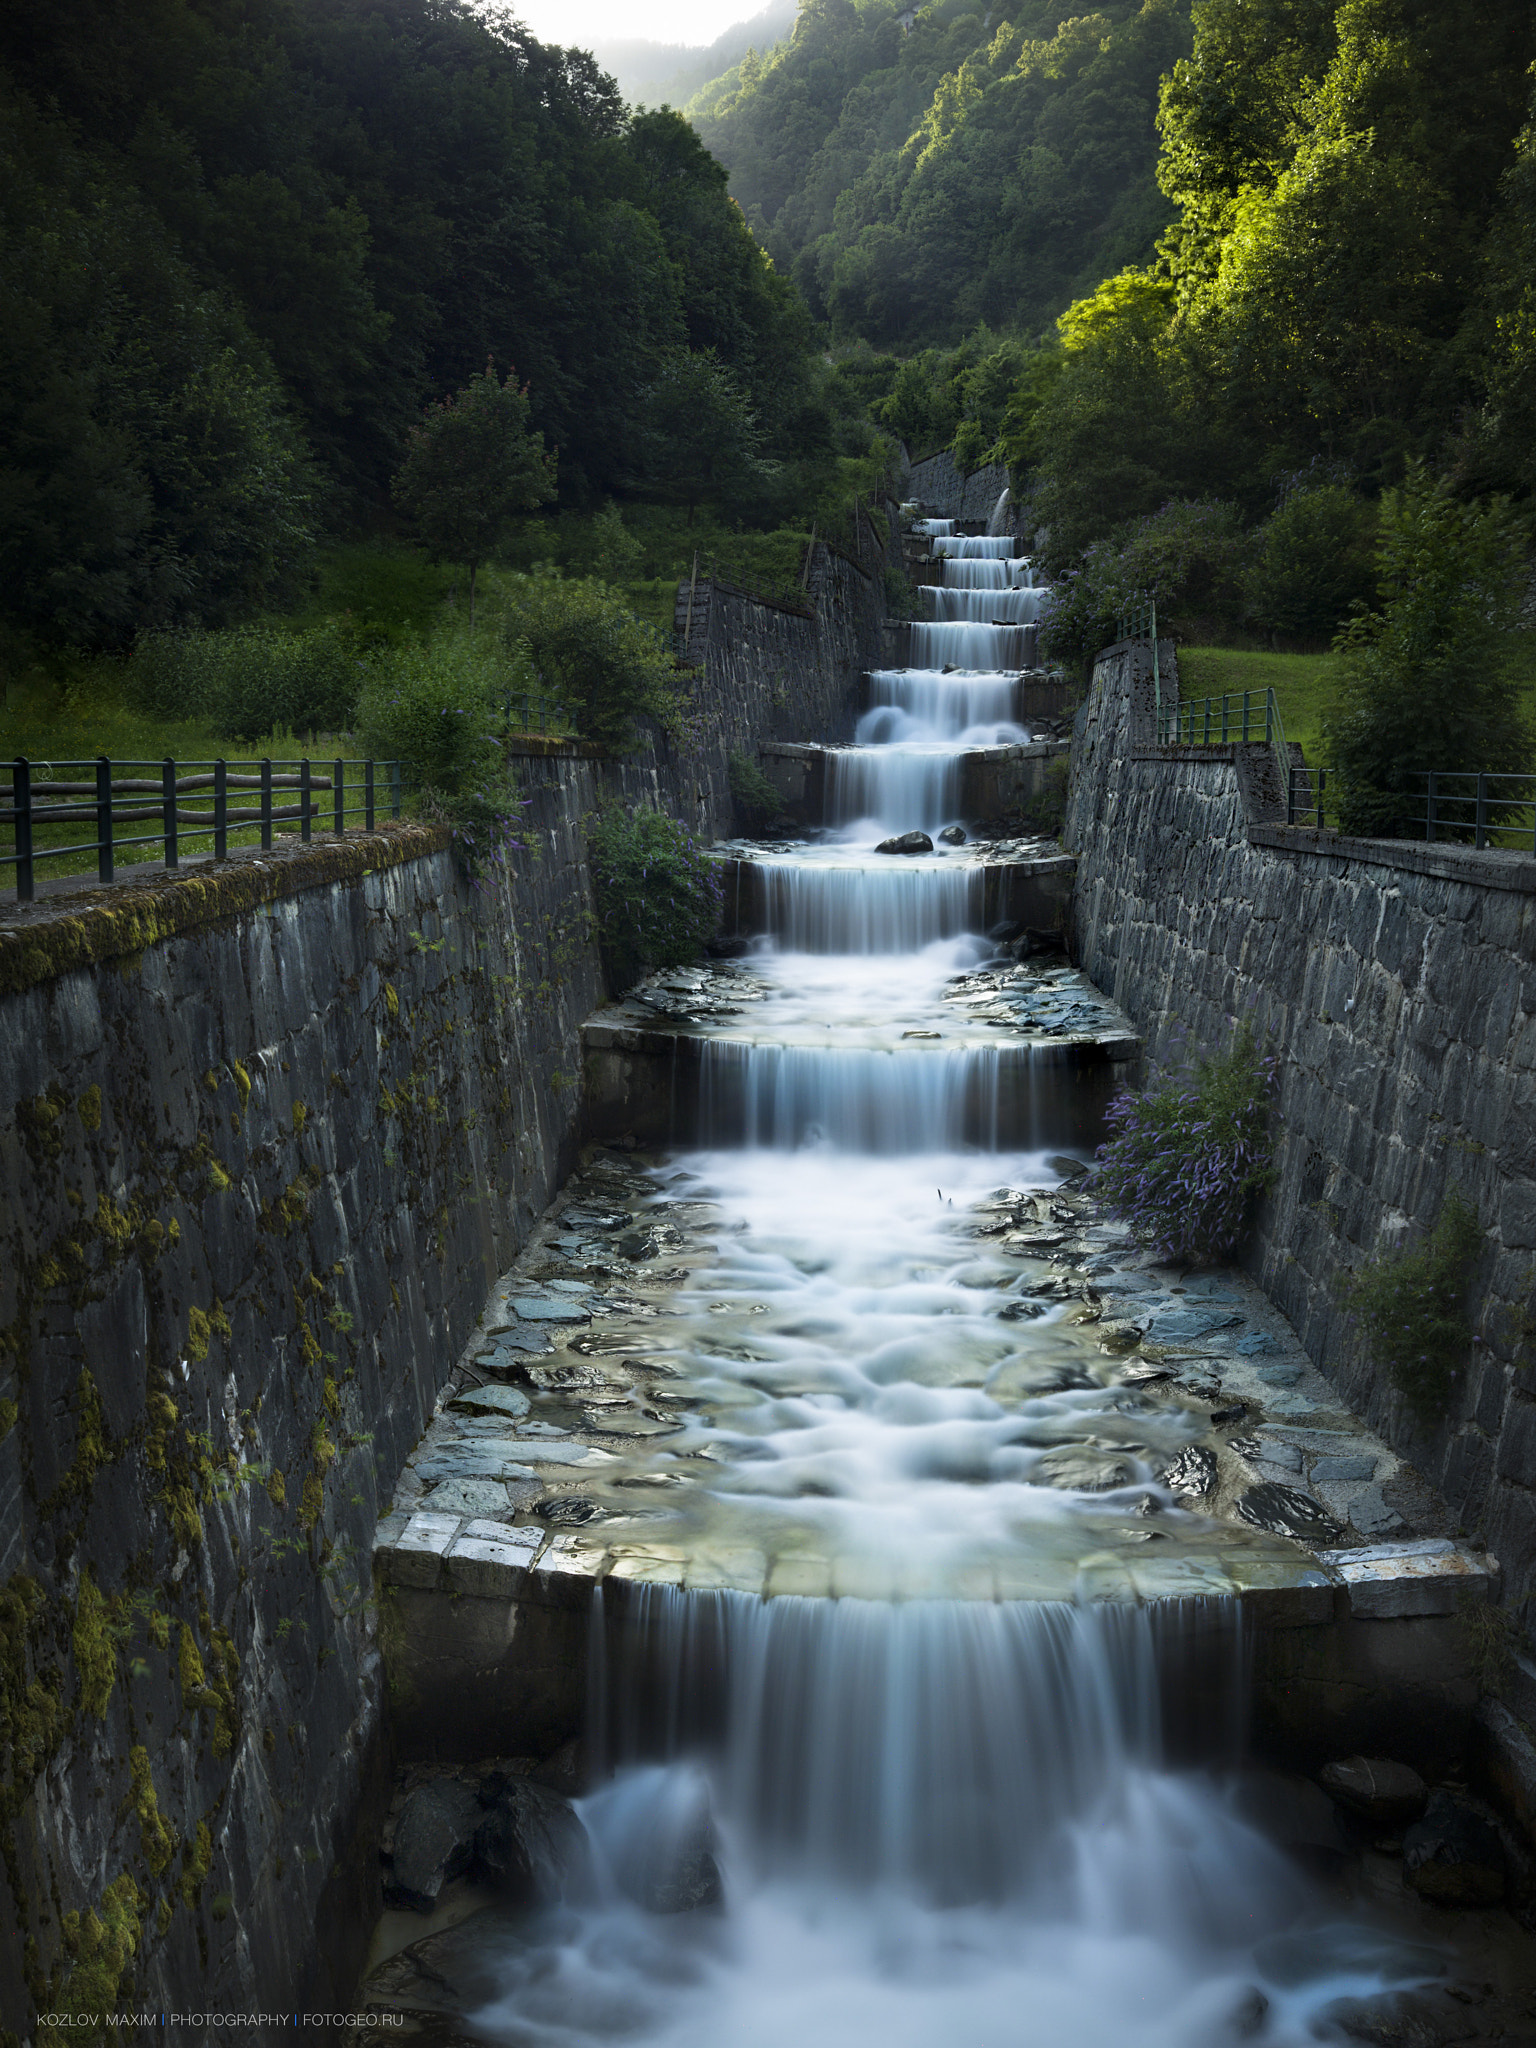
{"points": [[1398, 1581], [491, 1567], [415, 1557]]}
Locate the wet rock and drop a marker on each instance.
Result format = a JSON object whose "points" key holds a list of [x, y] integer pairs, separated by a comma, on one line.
{"points": [[530, 1842], [568, 1509], [1075, 1469], [434, 1842], [1192, 1473], [1375, 1787], [728, 949], [1117, 1338], [1248, 2016], [1412, 2019], [952, 835], [1068, 1168], [906, 842], [1287, 1511], [1187, 1325], [493, 1400], [687, 1878], [1293, 1812], [446, 1974], [1453, 1855], [566, 1770]]}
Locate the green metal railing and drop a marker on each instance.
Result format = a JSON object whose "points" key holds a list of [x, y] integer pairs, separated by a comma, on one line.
{"points": [[1139, 622], [1455, 807], [199, 801], [544, 717], [1250, 716]]}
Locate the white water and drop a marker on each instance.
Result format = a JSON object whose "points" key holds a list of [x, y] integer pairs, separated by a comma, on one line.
{"points": [[946, 1815], [879, 906]]}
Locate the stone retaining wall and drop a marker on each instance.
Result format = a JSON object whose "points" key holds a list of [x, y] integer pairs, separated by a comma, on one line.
{"points": [[1398, 984], [278, 1124], [947, 492]]}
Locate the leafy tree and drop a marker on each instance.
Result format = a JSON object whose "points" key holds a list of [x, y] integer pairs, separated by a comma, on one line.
{"points": [[657, 892], [1312, 563], [585, 649], [470, 467], [703, 436], [1426, 678]]}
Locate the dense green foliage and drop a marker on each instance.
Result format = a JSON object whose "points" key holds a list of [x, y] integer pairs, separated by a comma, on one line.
{"points": [[1427, 680], [470, 466], [242, 249], [657, 892], [1188, 1156], [579, 644], [1344, 287], [919, 182], [1412, 1305], [755, 803], [249, 680]]}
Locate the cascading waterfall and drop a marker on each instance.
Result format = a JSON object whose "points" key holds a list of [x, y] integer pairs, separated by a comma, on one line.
{"points": [[891, 908], [936, 1819]]}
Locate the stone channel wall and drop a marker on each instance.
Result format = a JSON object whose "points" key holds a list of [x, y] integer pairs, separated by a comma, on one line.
{"points": [[272, 1129], [947, 492], [1398, 985]]}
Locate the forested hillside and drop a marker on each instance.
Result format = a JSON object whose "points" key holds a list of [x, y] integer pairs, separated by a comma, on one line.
{"points": [[965, 168], [242, 247]]}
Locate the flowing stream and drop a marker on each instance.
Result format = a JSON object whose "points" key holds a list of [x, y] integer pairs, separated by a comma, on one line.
{"points": [[941, 1813]]}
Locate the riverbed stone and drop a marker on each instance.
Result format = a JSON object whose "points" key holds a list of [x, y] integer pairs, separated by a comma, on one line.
{"points": [[531, 1844], [1376, 1788], [906, 842], [434, 1842], [1453, 1856]]}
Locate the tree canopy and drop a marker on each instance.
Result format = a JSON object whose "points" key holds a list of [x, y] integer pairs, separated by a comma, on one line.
{"points": [[243, 248]]}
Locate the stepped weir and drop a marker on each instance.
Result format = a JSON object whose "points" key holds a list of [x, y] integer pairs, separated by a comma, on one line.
{"points": [[904, 1552]]}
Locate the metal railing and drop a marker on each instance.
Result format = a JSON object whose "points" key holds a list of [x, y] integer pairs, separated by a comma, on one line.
{"points": [[195, 800], [1238, 715], [1139, 622], [1304, 792], [1457, 807], [542, 717]]}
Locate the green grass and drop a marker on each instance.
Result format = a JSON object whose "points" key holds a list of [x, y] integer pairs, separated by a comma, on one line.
{"points": [[1303, 685]]}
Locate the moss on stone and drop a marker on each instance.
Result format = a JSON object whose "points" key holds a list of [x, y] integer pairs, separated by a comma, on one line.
{"points": [[242, 1083], [95, 1650], [88, 1108], [123, 923], [155, 1838], [203, 1328], [100, 1945], [196, 1862]]}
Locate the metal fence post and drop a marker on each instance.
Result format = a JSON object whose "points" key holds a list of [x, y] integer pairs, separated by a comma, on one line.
{"points": [[168, 809], [1429, 808], [21, 802], [266, 804], [304, 800], [338, 798], [1290, 798], [1482, 810], [1245, 718], [104, 864], [1322, 784], [394, 789], [220, 810], [368, 792]]}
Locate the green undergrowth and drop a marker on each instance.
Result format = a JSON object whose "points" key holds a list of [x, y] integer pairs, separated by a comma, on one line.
{"points": [[1411, 1305]]}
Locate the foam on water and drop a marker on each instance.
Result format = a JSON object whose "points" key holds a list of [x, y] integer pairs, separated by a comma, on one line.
{"points": [[943, 1803]]}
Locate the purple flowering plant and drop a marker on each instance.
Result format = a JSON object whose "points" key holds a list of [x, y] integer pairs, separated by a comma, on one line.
{"points": [[1187, 1156]]}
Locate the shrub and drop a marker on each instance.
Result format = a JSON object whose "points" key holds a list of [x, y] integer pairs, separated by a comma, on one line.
{"points": [[1189, 558], [1187, 1156], [432, 708], [657, 892], [249, 680], [1046, 810], [754, 799], [1313, 563], [1426, 680], [1412, 1303], [591, 654]]}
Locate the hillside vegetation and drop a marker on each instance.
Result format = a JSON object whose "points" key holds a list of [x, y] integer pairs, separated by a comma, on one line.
{"points": [[919, 181]]}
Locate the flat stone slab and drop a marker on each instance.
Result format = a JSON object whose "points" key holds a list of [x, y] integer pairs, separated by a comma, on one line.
{"points": [[598, 1455]]}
